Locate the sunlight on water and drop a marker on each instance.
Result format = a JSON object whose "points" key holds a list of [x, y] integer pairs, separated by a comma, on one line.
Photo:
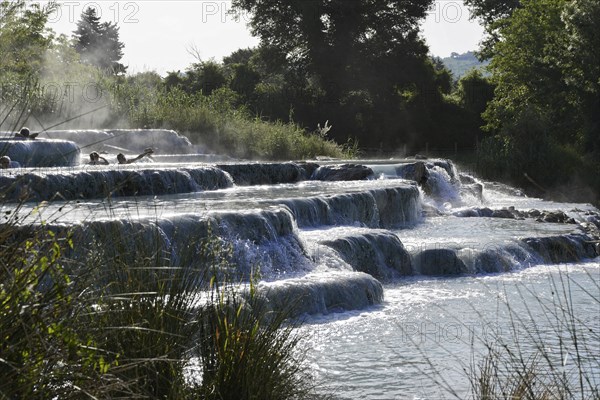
{"points": [[477, 232], [428, 330]]}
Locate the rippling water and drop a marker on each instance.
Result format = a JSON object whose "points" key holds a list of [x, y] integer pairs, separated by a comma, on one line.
{"points": [[418, 344]]}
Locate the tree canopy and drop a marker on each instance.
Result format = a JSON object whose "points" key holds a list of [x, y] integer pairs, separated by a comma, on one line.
{"points": [[492, 14], [337, 40], [23, 36], [98, 42], [360, 64], [547, 98]]}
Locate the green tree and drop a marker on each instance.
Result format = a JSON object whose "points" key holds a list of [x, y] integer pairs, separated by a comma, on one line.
{"points": [[204, 77], [23, 36], [492, 14], [547, 96], [362, 65], [244, 80], [240, 56], [331, 37], [24, 44], [98, 43], [580, 65], [474, 92]]}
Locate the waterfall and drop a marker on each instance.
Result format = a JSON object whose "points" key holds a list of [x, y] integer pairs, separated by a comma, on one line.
{"points": [[322, 236], [94, 182], [40, 152]]}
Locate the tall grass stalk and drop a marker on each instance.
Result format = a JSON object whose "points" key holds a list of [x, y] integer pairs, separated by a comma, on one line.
{"points": [[219, 124], [247, 350]]}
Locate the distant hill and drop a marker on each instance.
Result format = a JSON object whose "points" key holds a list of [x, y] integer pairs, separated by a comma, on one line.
{"points": [[460, 64]]}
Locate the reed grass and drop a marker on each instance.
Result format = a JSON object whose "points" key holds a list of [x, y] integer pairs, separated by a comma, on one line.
{"points": [[42, 353], [221, 125], [248, 355]]}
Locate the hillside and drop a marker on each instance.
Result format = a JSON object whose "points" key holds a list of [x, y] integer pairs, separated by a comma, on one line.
{"points": [[460, 64]]}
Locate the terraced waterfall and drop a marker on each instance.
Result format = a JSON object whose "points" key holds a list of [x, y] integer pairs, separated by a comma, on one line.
{"points": [[391, 264]]}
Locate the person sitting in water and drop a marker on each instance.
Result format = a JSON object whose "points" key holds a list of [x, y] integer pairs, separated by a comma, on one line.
{"points": [[25, 133], [6, 162], [123, 160], [97, 159]]}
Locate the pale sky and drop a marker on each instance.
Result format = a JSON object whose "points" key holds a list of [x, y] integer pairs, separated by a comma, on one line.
{"points": [[158, 33]]}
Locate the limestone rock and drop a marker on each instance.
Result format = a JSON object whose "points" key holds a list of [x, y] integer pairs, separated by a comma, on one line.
{"points": [[439, 262], [344, 172]]}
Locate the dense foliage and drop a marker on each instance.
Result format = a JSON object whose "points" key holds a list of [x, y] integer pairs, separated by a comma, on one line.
{"points": [[52, 81], [492, 14], [361, 65], [123, 326], [545, 108], [23, 37], [23, 42]]}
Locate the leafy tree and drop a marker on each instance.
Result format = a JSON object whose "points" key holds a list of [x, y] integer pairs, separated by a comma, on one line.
{"points": [[474, 92], [174, 79], [98, 43], [204, 77], [580, 64], [244, 80], [443, 76], [24, 43], [240, 56], [23, 36], [545, 110], [362, 65], [492, 14], [330, 37]]}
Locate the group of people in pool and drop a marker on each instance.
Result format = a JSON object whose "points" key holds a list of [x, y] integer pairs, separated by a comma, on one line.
{"points": [[95, 157]]}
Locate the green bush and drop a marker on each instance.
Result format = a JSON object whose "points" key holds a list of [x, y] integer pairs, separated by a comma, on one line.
{"points": [[43, 352], [246, 350]]}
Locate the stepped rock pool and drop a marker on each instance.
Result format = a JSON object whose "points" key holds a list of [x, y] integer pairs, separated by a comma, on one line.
{"points": [[401, 279]]}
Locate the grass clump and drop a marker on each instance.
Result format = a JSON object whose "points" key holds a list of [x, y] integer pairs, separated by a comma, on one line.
{"points": [[221, 124], [43, 353], [239, 359]]}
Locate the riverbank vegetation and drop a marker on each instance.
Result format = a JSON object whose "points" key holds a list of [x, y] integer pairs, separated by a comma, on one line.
{"points": [[86, 321], [52, 81], [306, 91], [543, 125]]}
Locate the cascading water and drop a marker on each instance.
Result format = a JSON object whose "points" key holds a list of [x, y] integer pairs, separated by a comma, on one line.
{"points": [[382, 241]]}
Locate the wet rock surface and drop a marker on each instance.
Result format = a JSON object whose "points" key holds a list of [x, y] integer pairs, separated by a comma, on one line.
{"points": [[439, 262], [264, 173], [559, 217], [381, 254], [344, 172]]}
